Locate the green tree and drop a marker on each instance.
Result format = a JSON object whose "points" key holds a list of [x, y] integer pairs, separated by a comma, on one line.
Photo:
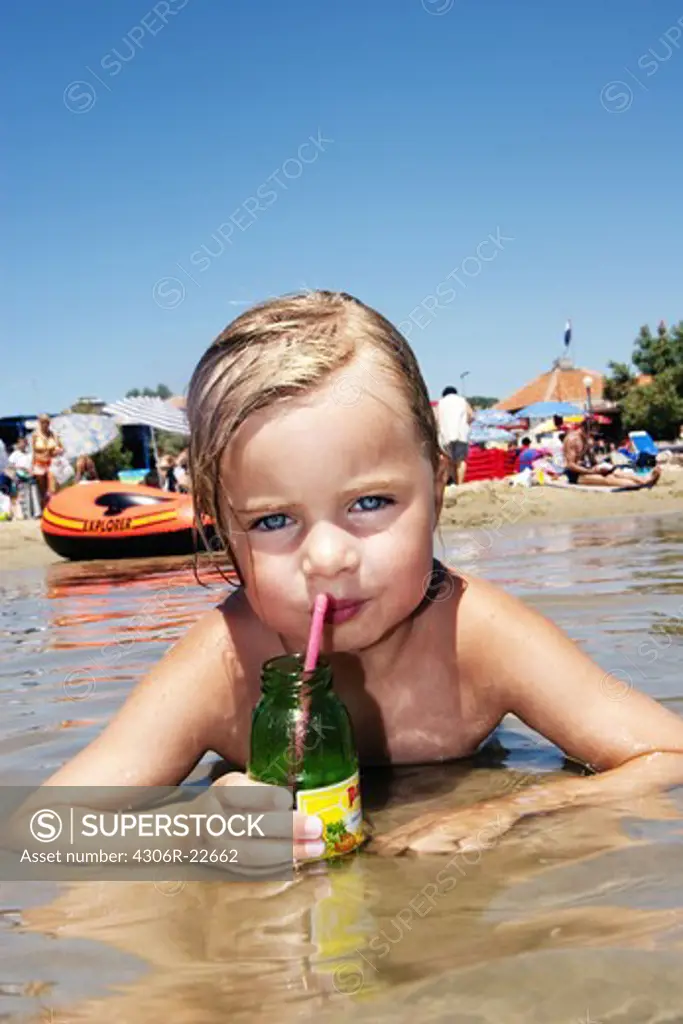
{"points": [[618, 385], [160, 391], [170, 444], [86, 407], [482, 401], [655, 354], [111, 459], [657, 406]]}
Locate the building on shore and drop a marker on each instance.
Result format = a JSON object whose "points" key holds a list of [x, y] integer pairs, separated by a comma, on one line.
{"points": [[564, 382]]}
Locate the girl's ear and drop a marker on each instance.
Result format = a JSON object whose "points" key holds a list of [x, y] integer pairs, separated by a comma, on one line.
{"points": [[440, 481]]}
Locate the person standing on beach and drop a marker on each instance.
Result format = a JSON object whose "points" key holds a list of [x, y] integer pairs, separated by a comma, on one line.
{"points": [[45, 446], [20, 463], [6, 487], [4, 461], [454, 415]]}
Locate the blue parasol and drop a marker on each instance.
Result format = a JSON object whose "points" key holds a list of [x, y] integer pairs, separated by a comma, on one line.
{"points": [[84, 434], [493, 418], [481, 434], [540, 410]]}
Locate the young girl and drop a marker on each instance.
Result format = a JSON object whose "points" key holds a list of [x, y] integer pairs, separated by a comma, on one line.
{"points": [[314, 450]]}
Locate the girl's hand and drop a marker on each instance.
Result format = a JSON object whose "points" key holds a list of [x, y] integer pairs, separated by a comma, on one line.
{"points": [[471, 828], [237, 792]]}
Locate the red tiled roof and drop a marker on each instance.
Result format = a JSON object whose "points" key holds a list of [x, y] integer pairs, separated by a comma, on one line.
{"points": [[557, 385]]}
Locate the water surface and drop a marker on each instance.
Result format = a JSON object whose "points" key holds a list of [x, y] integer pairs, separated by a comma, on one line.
{"points": [[574, 917]]}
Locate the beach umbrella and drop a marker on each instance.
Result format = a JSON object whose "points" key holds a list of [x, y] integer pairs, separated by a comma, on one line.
{"points": [[84, 434], [154, 413], [481, 434], [494, 418], [541, 410], [596, 418], [546, 426]]}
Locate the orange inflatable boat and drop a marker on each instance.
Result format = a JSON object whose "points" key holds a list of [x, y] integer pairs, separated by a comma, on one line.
{"points": [[109, 519]]}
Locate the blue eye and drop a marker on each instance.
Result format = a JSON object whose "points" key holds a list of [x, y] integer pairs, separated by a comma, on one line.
{"points": [[269, 524], [373, 502]]}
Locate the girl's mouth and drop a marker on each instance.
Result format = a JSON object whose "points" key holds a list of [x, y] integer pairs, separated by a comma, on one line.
{"points": [[342, 611]]}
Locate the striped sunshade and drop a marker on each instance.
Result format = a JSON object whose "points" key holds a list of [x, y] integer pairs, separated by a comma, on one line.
{"points": [[149, 412]]}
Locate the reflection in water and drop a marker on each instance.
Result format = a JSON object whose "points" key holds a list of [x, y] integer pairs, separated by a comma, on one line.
{"points": [[575, 916], [73, 641], [372, 926]]}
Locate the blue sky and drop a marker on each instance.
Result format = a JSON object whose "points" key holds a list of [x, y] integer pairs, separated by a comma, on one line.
{"points": [[138, 132]]}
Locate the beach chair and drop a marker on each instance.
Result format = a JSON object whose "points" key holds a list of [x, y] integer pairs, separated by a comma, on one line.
{"points": [[646, 448]]}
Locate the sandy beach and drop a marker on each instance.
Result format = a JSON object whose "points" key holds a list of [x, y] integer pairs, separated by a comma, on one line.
{"points": [[493, 503], [490, 504]]}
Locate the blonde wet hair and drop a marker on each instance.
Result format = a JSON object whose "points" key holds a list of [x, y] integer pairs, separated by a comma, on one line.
{"points": [[282, 349]]}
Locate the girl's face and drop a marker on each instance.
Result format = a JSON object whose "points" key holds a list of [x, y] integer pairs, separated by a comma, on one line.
{"points": [[335, 498]]}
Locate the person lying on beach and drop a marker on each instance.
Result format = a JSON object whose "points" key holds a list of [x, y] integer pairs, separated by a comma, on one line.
{"points": [[581, 468], [314, 450]]}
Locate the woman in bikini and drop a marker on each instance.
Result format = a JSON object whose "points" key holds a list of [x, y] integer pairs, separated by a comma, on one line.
{"points": [[45, 446]]}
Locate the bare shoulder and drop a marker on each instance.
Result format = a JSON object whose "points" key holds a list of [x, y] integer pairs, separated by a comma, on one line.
{"points": [[499, 635], [480, 608], [481, 602], [224, 653], [501, 641]]}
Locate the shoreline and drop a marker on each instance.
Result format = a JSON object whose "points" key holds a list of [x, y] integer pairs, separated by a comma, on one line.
{"points": [[486, 503]]}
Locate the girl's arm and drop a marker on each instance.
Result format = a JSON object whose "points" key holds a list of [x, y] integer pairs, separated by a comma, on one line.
{"points": [[543, 677], [187, 705], [537, 673], [169, 721]]}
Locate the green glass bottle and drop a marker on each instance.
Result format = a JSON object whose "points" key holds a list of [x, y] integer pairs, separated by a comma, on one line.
{"points": [[320, 761]]}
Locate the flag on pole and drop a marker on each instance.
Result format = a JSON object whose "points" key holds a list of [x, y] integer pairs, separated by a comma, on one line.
{"points": [[567, 333]]}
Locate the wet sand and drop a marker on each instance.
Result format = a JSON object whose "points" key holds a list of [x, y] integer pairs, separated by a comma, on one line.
{"points": [[488, 503], [22, 545]]}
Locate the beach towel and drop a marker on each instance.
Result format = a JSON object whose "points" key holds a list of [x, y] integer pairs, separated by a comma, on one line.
{"points": [[586, 487]]}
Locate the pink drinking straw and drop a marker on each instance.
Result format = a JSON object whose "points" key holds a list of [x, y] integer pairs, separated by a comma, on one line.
{"points": [[312, 651], [316, 634]]}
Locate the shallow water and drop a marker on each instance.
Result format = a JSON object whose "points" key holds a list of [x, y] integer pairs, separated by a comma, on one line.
{"points": [[575, 917]]}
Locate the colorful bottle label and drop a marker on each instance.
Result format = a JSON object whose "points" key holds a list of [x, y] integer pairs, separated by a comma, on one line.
{"points": [[339, 807]]}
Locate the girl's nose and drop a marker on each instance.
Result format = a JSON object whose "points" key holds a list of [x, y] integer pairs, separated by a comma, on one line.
{"points": [[328, 552]]}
